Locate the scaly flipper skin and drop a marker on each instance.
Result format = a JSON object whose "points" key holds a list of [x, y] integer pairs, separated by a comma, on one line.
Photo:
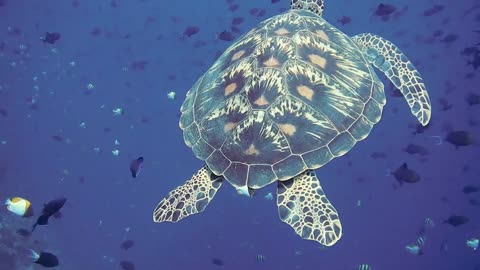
{"points": [[303, 205], [388, 58], [190, 198]]}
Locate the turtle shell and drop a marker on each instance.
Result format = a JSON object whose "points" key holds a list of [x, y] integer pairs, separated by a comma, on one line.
{"points": [[290, 95]]}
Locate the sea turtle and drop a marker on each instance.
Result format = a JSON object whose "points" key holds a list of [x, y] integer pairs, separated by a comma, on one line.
{"points": [[284, 99]]}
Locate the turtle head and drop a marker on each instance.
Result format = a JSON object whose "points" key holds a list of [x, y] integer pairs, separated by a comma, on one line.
{"points": [[315, 6]]}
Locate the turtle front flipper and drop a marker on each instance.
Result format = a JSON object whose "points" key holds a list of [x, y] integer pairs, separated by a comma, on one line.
{"points": [[190, 198], [303, 205], [388, 58]]}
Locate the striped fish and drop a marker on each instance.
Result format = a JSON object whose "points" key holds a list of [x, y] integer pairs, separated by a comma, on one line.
{"points": [[364, 267], [429, 223], [260, 258], [421, 241]]}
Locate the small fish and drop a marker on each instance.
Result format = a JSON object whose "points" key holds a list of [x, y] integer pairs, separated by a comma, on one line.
{"points": [[473, 243], [384, 10], [473, 99], [456, 221], [136, 166], [237, 20], [474, 202], [260, 258], [450, 38], [364, 267], [3, 112], [217, 261], [171, 95], [49, 209], [44, 258], [51, 37], [413, 149], [414, 249], [127, 265], [269, 196], [24, 232], [19, 206], [470, 189], [421, 241], [429, 223], [444, 247], [404, 175], [226, 36], [191, 30], [127, 244], [378, 155], [460, 138], [344, 20], [433, 10]]}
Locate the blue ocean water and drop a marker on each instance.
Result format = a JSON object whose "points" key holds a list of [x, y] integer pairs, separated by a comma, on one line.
{"points": [[58, 130]]}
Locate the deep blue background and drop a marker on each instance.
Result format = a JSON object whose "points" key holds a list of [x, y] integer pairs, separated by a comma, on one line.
{"points": [[103, 200]]}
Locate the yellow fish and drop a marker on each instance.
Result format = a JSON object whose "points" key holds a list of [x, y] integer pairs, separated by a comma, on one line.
{"points": [[19, 206]]}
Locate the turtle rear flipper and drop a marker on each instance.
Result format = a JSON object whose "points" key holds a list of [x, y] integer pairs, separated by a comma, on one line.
{"points": [[384, 55], [303, 205], [190, 198]]}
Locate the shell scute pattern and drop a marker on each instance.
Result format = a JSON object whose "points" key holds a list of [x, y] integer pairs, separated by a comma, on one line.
{"points": [[290, 95], [284, 25]]}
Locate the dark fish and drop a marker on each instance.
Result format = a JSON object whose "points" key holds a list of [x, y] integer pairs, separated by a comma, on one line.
{"points": [[475, 62], [445, 104], [235, 29], [460, 138], [136, 166], [253, 11], [3, 112], [275, 1], [57, 138], [344, 20], [139, 65], [450, 38], [45, 259], [3, 3], [226, 36], [384, 10], [24, 232], [51, 38], [217, 261], [413, 149], [233, 7], [473, 99], [456, 221], [127, 244], [470, 189], [433, 10], [191, 30], [49, 209], [127, 265], [419, 128], [237, 20], [378, 155], [404, 175], [474, 202], [437, 33], [261, 12]]}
